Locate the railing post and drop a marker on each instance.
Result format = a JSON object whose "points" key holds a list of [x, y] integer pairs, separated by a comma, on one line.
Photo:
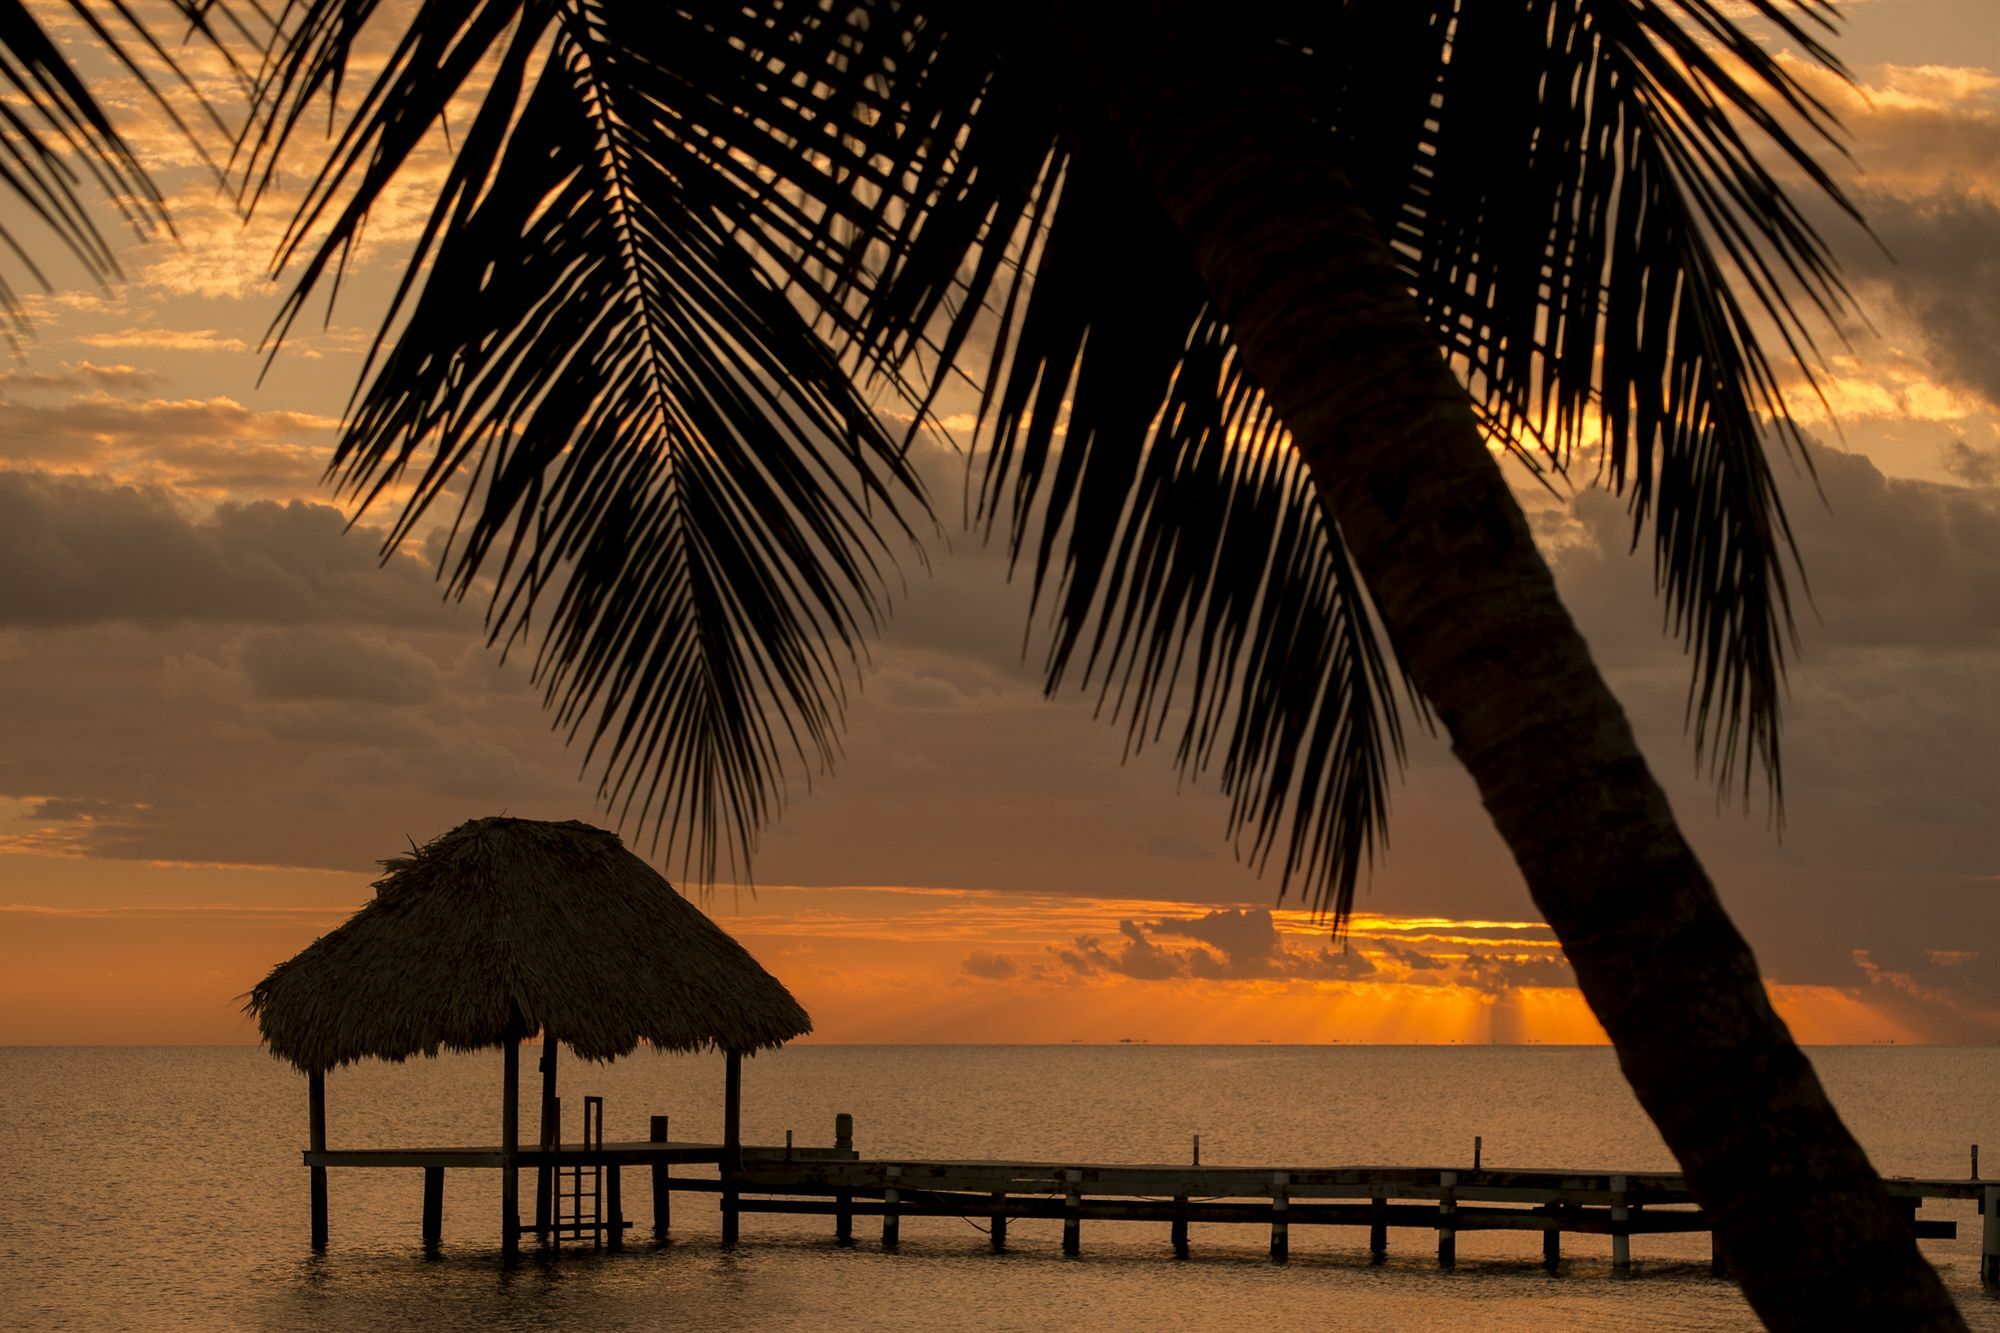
{"points": [[1281, 1239], [843, 1200], [316, 1140], [892, 1216], [1447, 1210], [1621, 1216], [1552, 1239], [433, 1208], [1989, 1237], [1072, 1211], [1378, 1226], [732, 1139], [510, 1148], [999, 1230], [663, 1190], [1180, 1230]]}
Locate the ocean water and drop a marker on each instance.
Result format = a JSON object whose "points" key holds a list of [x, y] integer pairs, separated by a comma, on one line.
{"points": [[162, 1188]]}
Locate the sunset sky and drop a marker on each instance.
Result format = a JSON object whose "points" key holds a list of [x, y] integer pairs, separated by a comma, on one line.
{"points": [[218, 710]]}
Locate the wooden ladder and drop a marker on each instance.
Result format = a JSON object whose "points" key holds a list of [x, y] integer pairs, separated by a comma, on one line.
{"points": [[571, 1195]]}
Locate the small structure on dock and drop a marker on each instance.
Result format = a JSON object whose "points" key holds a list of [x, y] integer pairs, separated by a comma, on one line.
{"points": [[493, 932]]}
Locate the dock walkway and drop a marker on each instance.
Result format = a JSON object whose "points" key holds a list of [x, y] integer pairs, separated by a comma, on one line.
{"points": [[837, 1182]]}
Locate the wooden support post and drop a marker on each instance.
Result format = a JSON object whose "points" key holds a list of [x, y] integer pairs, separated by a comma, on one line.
{"points": [[433, 1208], [1197, 1150], [1552, 1239], [1989, 1237], [999, 1231], [510, 1149], [892, 1215], [1717, 1265], [732, 1140], [1478, 1143], [1621, 1239], [1378, 1227], [1180, 1231], [550, 1137], [843, 1200], [1072, 1212], [663, 1190], [1447, 1210], [614, 1205], [316, 1139], [1281, 1231]]}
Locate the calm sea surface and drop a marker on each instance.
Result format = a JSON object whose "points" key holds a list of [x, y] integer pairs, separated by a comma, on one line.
{"points": [[161, 1187]]}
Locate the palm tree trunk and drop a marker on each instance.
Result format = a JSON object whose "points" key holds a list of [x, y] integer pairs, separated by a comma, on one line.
{"points": [[1332, 332]]}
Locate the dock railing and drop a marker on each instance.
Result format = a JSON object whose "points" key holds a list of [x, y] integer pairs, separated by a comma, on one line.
{"points": [[1445, 1201]]}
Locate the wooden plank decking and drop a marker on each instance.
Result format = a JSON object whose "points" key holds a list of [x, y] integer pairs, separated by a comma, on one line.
{"points": [[838, 1183]]}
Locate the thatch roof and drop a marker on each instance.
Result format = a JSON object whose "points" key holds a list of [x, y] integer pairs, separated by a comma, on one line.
{"points": [[519, 924]]}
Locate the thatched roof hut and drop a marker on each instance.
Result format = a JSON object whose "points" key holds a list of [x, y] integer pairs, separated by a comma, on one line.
{"points": [[500, 929], [512, 926]]}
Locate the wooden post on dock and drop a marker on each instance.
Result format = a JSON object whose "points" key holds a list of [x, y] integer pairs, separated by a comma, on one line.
{"points": [[1378, 1227], [1072, 1211], [1989, 1237], [614, 1205], [510, 1148], [1717, 1265], [550, 1137], [892, 1212], [663, 1190], [316, 1140], [1180, 1228], [1621, 1239], [843, 1200], [1447, 1211], [1552, 1239], [433, 1208], [999, 1230], [732, 1140], [1281, 1231]]}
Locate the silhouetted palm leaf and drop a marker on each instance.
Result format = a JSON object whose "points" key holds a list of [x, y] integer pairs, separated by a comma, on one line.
{"points": [[1569, 188], [658, 443], [54, 137]]}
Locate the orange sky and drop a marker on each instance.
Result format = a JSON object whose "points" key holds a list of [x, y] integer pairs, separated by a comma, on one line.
{"points": [[216, 711], [881, 964]]}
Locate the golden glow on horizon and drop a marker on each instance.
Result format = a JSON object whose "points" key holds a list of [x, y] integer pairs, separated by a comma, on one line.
{"points": [[909, 964]]}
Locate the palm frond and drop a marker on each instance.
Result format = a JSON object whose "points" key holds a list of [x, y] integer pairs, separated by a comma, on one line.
{"points": [[653, 445], [1195, 582], [57, 145], [1571, 189]]}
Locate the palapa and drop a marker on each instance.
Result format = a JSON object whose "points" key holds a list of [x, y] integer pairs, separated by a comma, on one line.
{"points": [[503, 927]]}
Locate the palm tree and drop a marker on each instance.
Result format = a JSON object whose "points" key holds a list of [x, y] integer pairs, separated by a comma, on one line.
{"points": [[1259, 288]]}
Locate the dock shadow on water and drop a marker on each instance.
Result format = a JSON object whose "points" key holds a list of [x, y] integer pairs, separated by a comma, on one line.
{"points": [[164, 1188]]}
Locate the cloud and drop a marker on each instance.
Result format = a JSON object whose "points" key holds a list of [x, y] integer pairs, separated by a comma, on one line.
{"points": [[1910, 127], [989, 966], [1971, 465], [1247, 939], [1942, 270], [77, 551], [166, 340], [315, 664], [212, 447], [1231, 944], [115, 378]]}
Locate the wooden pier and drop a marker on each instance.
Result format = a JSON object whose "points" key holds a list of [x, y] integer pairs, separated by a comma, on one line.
{"points": [[1438, 1202]]}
